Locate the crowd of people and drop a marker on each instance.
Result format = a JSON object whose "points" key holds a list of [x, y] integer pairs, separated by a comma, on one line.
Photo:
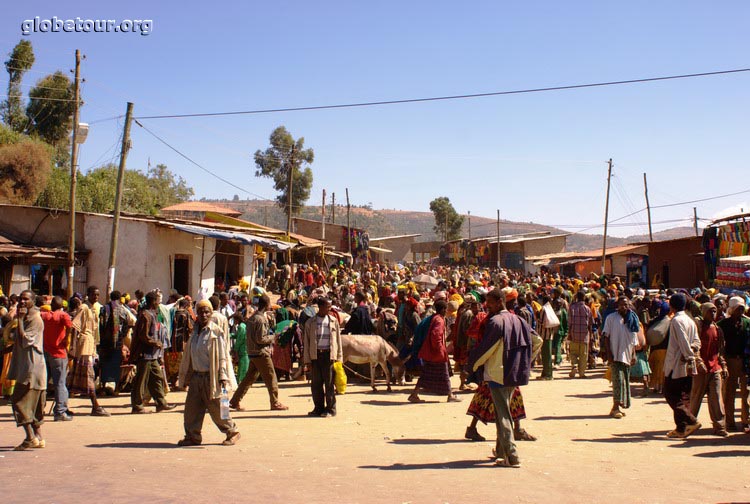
{"points": [[494, 325]]}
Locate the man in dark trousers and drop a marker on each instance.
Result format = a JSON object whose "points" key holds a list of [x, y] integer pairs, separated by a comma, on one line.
{"points": [[322, 344], [146, 351], [259, 344]]}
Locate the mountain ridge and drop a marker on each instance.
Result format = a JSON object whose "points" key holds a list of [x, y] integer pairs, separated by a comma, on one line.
{"points": [[389, 222]]}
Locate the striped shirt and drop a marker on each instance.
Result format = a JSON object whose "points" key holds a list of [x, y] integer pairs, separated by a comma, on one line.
{"points": [[580, 322], [323, 333]]}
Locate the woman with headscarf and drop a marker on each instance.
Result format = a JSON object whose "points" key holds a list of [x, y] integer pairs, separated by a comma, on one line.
{"points": [[658, 311]]}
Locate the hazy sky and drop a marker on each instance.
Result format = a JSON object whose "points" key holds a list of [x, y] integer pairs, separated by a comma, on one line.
{"points": [[537, 157]]}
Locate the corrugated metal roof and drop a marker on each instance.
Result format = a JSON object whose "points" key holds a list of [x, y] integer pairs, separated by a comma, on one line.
{"points": [[590, 254], [200, 206]]}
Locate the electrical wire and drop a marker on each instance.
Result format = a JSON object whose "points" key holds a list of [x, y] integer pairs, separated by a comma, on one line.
{"points": [[450, 97], [219, 177]]}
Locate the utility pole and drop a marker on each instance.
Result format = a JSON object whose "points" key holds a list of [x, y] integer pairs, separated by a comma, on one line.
{"points": [[469, 224], [333, 208], [606, 217], [265, 215], [290, 168], [118, 199], [323, 218], [498, 238], [348, 224], [648, 208], [695, 220], [73, 173]]}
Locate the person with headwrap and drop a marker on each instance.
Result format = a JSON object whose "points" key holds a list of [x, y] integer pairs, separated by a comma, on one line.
{"points": [[682, 361], [204, 370], [709, 379], [736, 329], [658, 311], [620, 335]]}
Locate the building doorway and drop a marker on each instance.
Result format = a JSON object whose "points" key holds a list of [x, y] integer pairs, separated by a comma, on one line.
{"points": [[181, 274]]}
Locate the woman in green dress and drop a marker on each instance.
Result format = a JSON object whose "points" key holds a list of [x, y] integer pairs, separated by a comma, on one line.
{"points": [[240, 346]]}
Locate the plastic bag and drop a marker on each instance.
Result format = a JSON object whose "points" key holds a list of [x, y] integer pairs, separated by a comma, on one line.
{"points": [[339, 377]]}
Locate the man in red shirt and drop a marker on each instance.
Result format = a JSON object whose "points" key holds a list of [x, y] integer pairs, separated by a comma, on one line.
{"points": [[56, 324]]}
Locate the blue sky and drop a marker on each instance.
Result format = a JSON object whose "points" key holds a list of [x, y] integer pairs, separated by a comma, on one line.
{"points": [[537, 157]]}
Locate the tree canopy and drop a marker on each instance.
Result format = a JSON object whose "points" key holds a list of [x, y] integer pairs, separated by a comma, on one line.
{"points": [[285, 154], [448, 222], [144, 193], [25, 165], [19, 61], [50, 108]]}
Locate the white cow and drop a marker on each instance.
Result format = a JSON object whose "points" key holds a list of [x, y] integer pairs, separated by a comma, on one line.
{"points": [[373, 350]]}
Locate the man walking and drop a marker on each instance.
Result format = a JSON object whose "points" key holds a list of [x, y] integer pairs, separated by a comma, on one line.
{"points": [[204, 372], [56, 324], [146, 351], [259, 341], [681, 362], [321, 340], [620, 339], [27, 368], [580, 328], [736, 329], [503, 360]]}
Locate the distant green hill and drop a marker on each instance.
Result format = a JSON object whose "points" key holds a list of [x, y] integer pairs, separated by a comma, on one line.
{"points": [[397, 222]]}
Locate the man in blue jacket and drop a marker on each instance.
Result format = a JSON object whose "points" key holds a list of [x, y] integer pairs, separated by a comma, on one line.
{"points": [[503, 360]]}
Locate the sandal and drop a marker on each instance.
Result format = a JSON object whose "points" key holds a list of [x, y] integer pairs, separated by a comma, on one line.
{"points": [[27, 443], [454, 398], [415, 399], [42, 444], [522, 435], [675, 434]]}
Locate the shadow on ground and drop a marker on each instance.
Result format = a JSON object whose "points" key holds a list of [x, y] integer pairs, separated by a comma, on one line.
{"points": [[135, 445], [455, 464], [427, 441], [630, 437], [572, 417]]}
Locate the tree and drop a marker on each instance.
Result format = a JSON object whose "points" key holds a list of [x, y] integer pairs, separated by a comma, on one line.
{"points": [[167, 188], [20, 60], [25, 165], [50, 108], [286, 155], [447, 221], [142, 193]]}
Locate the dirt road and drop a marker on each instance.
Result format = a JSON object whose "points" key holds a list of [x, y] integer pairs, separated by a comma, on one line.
{"points": [[379, 449]]}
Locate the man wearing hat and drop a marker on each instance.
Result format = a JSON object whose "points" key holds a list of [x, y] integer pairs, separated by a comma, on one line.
{"points": [[204, 371], [736, 329]]}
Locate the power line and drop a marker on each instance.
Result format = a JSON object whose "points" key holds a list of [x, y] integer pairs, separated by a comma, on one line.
{"points": [[450, 97], [186, 157]]}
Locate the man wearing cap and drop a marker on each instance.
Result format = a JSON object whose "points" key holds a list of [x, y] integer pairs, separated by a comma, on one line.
{"points": [[204, 370], [736, 329], [682, 360], [321, 340]]}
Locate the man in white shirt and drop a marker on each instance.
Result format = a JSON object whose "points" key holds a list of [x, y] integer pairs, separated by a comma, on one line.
{"points": [[681, 362], [621, 335]]}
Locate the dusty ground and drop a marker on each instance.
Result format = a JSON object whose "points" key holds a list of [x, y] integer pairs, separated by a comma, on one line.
{"points": [[380, 449]]}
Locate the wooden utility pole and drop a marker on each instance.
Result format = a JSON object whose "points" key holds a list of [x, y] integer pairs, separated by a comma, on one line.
{"points": [[73, 178], [118, 199], [648, 209], [323, 233], [469, 224], [333, 208], [290, 168], [348, 223], [498, 239], [265, 215], [695, 220], [606, 217]]}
